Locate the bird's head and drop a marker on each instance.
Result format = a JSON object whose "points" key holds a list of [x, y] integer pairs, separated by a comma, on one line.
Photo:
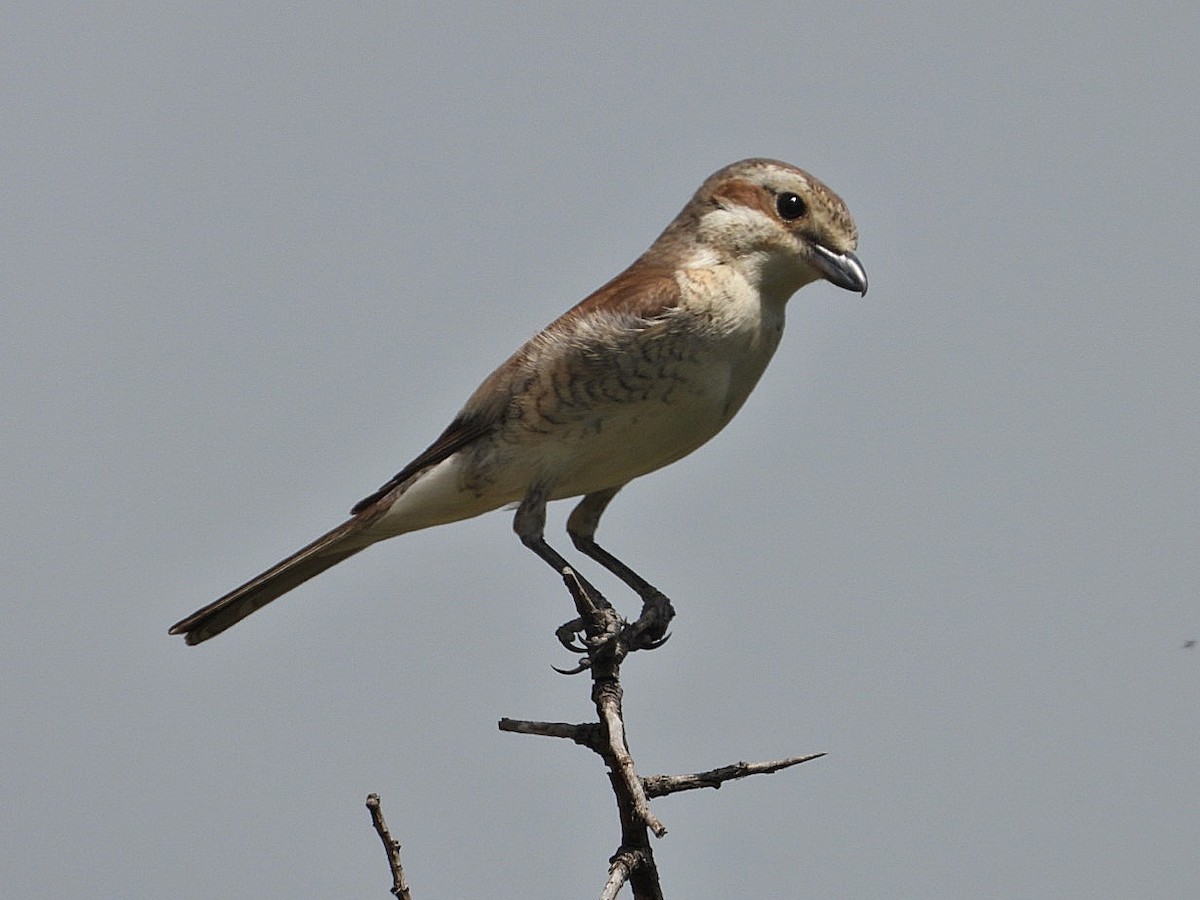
{"points": [[776, 223]]}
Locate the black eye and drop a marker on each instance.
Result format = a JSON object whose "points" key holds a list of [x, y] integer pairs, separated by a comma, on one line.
{"points": [[790, 206]]}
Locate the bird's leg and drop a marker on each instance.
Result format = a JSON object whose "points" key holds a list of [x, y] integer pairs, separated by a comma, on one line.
{"points": [[530, 525], [650, 630]]}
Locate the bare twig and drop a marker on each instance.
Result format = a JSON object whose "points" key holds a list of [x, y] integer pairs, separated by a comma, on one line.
{"points": [[604, 639], [661, 785], [620, 868], [607, 695], [392, 846], [586, 735]]}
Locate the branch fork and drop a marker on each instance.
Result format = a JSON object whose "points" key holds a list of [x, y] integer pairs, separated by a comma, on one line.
{"points": [[604, 639]]}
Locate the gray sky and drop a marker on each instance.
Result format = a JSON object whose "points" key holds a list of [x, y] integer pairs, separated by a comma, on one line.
{"points": [[255, 256]]}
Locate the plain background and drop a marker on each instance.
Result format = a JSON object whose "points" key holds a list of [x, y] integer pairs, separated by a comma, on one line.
{"points": [[255, 256]]}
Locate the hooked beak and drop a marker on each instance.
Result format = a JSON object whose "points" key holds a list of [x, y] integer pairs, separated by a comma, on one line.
{"points": [[842, 269]]}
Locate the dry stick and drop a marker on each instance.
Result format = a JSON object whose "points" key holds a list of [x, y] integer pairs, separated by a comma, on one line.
{"points": [[586, 735], [608, 640], [606, 692], [392, 846], [620, 869], [661, 785], [634, 860], [605, 639]]}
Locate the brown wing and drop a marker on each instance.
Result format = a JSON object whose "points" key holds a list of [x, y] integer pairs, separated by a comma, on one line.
{"points": [[465, 429], [642, 291], [638, 291]]}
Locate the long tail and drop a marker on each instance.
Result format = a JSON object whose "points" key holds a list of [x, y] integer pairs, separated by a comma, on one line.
{"points": [[327, 550]]}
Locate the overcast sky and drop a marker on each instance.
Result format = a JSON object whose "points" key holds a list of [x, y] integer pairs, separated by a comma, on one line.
{"points": [[253, 257]]}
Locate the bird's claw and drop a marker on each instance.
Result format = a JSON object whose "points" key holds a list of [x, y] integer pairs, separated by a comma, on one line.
{"points": [[566, 634], [642, 641], [584, 665], [649, 632], [611, 634], [587, 648]]}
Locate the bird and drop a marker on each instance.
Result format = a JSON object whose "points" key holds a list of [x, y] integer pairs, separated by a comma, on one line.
{"points": [[631, 379]]}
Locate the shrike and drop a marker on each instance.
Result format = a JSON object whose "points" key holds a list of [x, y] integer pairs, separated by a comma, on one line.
{"points": [[635, 377]]}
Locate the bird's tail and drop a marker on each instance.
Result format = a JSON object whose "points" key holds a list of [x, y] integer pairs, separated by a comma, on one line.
{"points": [[327, 550]]}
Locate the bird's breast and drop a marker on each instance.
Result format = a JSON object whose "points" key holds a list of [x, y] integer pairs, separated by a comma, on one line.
{"points": [[635, 397]]}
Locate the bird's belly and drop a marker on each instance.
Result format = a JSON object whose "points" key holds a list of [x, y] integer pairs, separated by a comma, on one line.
{"points": [[623, 441], [614, 436]]}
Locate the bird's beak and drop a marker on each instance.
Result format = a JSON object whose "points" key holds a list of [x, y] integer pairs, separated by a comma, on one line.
{"points": [[842, 269]]}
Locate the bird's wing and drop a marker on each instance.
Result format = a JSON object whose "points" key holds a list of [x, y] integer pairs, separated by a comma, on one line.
{"points": [[466, 428], [635, 294]]}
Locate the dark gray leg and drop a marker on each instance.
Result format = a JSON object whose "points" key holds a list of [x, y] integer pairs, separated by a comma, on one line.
{"points": [[650, 630], [581, 526], [530, 525]]}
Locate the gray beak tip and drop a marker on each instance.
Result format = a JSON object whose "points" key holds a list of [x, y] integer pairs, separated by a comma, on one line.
{"points": [[842, 269]]}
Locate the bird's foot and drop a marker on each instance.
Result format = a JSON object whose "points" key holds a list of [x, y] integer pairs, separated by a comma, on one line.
{"points": [[649, 631], [599, 633], [568, 634], [601, 639]]}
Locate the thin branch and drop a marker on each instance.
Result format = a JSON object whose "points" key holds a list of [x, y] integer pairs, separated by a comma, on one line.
{"points": [[620, 868], [607, 645], [391, 846], [586, 734], [604, 639], [608, 703], [661, 785]]}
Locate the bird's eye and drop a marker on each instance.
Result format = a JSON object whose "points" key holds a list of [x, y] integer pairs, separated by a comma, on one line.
{"points": [[790, 206]]}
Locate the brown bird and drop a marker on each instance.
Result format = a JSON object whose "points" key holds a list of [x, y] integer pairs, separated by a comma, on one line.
{"points": [[633, 378]]}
